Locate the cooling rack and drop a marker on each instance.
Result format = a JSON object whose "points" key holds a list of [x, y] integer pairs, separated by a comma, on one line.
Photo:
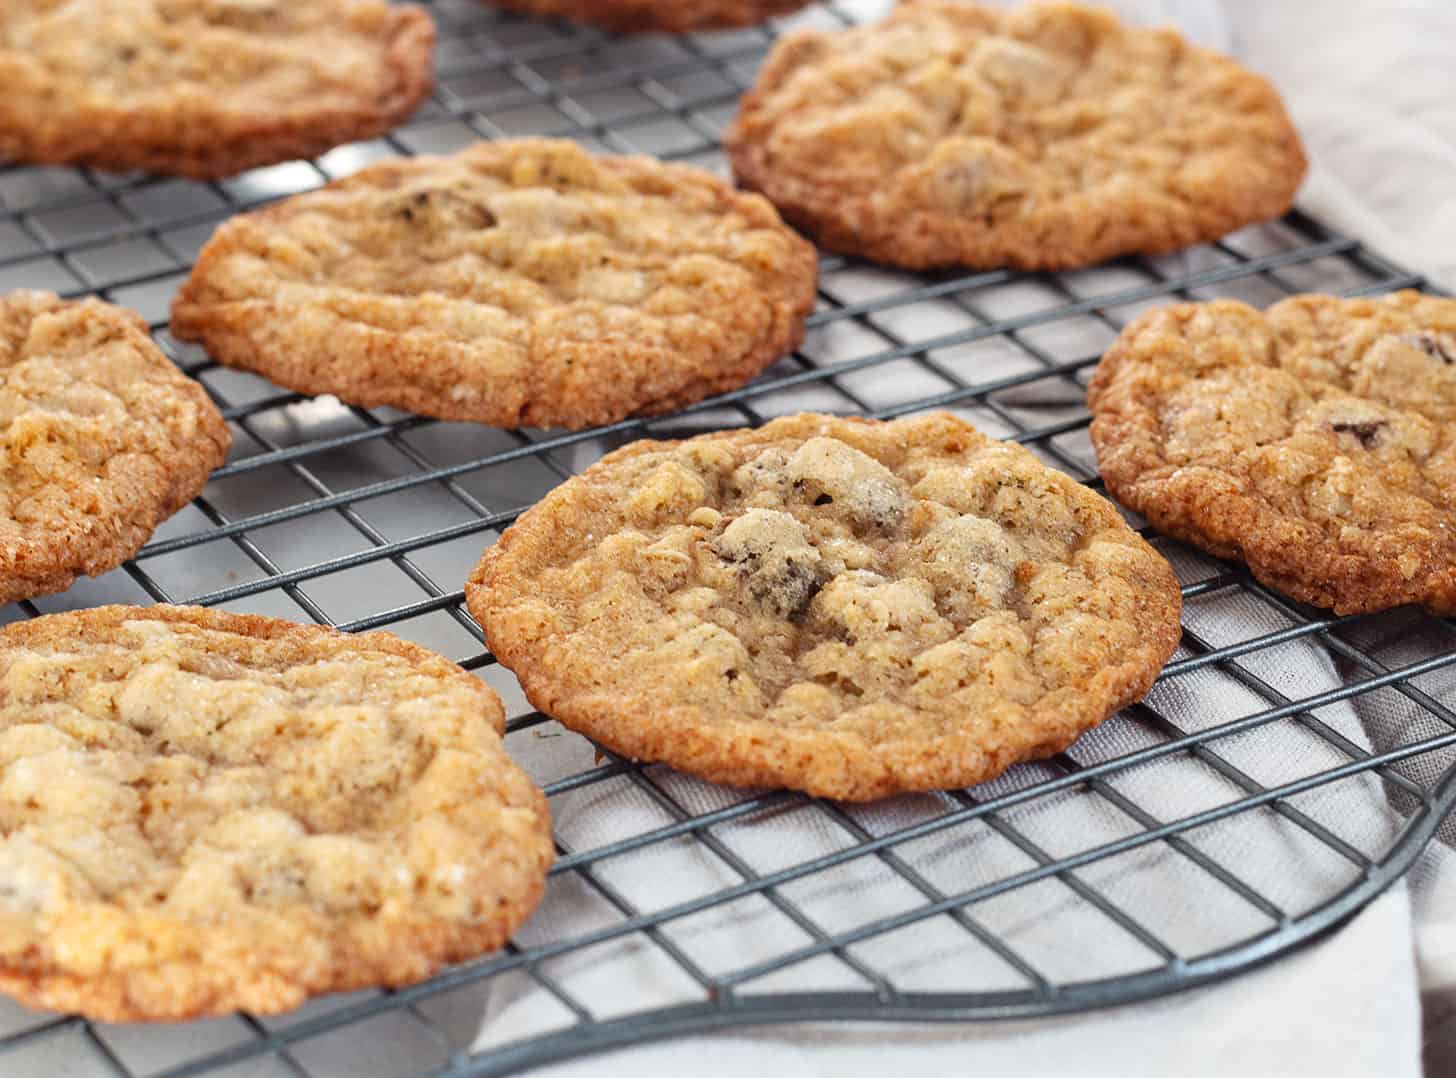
{"points": [[1288, 766]]}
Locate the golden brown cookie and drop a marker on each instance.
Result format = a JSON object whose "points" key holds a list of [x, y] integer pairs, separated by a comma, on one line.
{"points": [[205, 88], [521, 283], [834, 605], [101, 439], [674, 16], [1044, 136], [203, 812], [1315, 441]]}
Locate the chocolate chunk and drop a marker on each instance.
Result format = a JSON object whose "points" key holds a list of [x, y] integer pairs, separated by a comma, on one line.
{"points": [[1440, 346], [826, 471], [786, 586], [773, 558], [1367, 430], [790, 590], [445, 209]]}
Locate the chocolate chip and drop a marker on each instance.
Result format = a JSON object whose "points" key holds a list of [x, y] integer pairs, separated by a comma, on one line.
{"points": [[865, 493], [1440, 346], [746, 559], [773, 560], [866, 506], [789, 591], [1367, 430], [445, 209]]}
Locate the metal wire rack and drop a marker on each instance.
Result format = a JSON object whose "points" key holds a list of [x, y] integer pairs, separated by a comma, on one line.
{"points": [[1287, 768]]}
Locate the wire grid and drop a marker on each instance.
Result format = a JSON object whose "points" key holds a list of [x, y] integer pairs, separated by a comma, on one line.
{"points": [[370, 519]]}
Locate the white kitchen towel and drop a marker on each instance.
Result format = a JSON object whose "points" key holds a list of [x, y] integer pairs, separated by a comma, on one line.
{"points": [[1307, 1015], [1370, 84]]}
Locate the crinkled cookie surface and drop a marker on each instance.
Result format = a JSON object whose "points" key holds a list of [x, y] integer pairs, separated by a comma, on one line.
{"points": [[205, 88], [1045, 136], [677, 16], [1316, 441], [516, 283], [204, 812], [840, 606], [101, 439]]}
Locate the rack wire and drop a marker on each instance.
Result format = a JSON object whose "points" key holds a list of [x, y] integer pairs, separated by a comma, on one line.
{"points": [[1318, 749]]}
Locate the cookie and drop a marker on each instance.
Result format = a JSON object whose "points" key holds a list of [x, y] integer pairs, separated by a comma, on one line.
{"points": [[521, 283], [205, 88], [840, 606], [1045, 136], [675, 16], [204, 812], [1316, 441], [101, 439]]}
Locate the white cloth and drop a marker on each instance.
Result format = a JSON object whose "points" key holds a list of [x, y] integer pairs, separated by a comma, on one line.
{"points": [[1370, 87]]}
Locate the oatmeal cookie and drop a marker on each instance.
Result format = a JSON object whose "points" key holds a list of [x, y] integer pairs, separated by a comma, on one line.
{"points": [[1045, 136], [522, 283], [1316, 441], [203, 812], [205, 88], [834, 605], [101, 439], [674, 16]]}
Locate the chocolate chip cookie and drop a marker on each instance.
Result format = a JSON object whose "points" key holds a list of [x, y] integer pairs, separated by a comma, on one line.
{"points": [[834, 605], [1315, 441], [1044, 136], [516, 283], [203, 812], [101, 439], [677, 16], [205, 88]]}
